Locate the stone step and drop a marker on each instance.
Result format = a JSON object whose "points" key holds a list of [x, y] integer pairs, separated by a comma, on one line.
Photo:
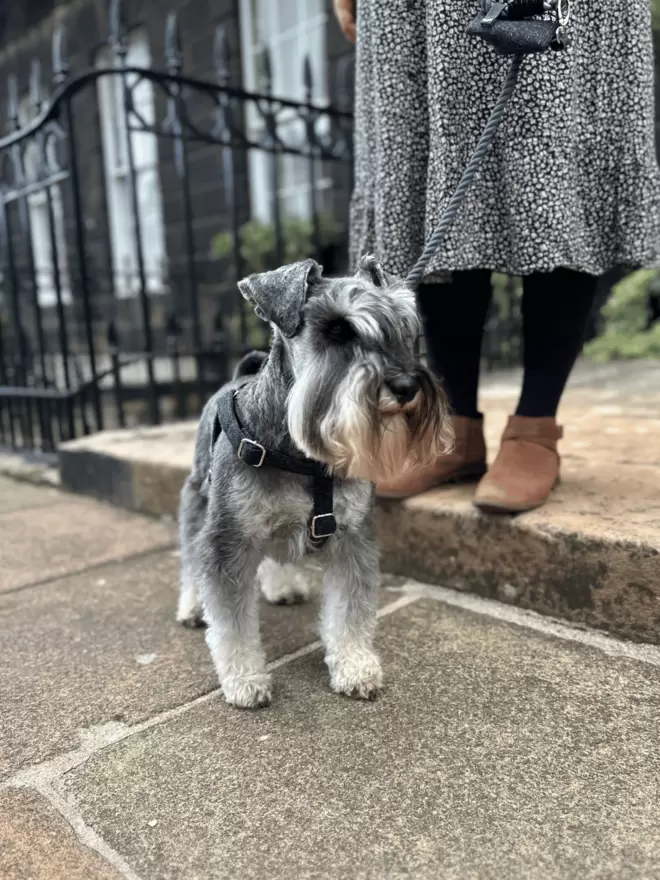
{"points": [[591, 555]]}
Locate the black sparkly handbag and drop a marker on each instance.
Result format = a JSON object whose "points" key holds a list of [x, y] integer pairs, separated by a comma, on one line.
{"points": [[512, 28]]}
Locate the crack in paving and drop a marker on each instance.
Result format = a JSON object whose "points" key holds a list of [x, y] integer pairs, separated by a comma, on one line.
{"points": [[46, 777], [92, 567]]}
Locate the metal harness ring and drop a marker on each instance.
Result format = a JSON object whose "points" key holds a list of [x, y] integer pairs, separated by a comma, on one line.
{"points": [[563, 17]]}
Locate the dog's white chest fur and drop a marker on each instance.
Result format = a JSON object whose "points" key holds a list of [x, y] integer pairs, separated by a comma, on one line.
{"points": [[278, 521]]}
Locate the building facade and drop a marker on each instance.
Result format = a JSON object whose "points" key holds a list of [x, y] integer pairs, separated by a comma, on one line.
{"points": [[292, 30]]}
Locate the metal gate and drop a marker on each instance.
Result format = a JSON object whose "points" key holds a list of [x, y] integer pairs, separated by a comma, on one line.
{"points": [[87, 344]]}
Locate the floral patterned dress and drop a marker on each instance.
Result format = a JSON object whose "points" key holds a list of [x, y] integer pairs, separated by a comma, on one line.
{"points": [[572, 178]]}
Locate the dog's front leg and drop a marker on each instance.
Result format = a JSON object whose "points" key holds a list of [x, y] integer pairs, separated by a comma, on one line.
{"points": [[192, 512], [351, 584], [228, 588]]}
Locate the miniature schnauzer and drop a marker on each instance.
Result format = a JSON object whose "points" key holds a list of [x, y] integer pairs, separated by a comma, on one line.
{"points": [[285, 460]]}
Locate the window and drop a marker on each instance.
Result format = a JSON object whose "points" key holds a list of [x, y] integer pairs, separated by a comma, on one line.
{"points": [[117, 175], [292, 30], [38, 211]]}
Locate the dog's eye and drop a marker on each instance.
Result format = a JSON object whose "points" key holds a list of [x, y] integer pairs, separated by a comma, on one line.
{"points": [[339, 331]]}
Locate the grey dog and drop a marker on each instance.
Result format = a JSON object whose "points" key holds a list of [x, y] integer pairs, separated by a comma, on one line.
{"points": [[342, 387]]}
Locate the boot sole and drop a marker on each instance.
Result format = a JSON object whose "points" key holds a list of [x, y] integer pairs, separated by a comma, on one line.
{"points": [[495, 509], [467, 474]]}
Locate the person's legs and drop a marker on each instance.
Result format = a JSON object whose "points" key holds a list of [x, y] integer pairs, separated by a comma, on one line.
{"points": [[453, 316], [556, 308]]}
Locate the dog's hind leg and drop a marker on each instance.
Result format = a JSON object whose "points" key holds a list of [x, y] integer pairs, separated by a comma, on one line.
{"points": [[228, 589], [348, 625], [283, 584], [192, 512]]}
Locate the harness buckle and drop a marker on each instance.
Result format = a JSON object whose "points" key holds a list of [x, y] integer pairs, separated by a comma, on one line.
{"points": [[251, 452], [323, 529]]}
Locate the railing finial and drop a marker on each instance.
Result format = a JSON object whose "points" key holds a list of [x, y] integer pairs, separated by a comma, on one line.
{"points": [[308, 77], [266, 70], [172, 328], [117, 38], [59, 55], [12, 102], [173, 50], [221, 55], [112, 335], [36, 94]]}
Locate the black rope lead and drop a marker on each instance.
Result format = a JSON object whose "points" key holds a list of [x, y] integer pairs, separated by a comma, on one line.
{"points": [[449, 214]]}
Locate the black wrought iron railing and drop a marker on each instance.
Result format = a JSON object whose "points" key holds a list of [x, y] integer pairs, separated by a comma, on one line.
{"points": [[92, 338], [85, 344]]}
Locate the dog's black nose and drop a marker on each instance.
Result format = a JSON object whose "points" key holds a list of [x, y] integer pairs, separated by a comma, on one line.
{"points": [[404, 387]]}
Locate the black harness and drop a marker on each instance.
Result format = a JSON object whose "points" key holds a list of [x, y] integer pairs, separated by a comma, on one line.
{"points": [[322, 523]]}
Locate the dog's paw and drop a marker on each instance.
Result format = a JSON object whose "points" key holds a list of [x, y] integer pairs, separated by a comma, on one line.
{"points": [[288, 594], [283, 584], [361, 678], [248, 691], [189, 613], [195, 620]]}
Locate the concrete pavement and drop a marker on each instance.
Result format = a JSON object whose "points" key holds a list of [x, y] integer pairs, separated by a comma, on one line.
{"points": [[505, 745]]}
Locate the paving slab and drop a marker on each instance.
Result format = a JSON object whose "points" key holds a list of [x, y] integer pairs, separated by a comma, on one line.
{"points": [[15, 495], [39, 471], [36, 843], [103, 645], [495, 752], [62, 533]]}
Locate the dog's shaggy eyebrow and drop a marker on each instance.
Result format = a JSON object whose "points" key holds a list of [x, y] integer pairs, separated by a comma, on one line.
{"points": [[377, 318]]}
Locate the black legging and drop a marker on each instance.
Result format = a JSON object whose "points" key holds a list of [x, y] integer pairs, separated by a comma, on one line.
{"points": [[555, 311]]}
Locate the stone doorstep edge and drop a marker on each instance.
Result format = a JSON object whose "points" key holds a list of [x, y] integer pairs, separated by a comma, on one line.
{"points": [[590, 581], [600, 583], [143, 486]]}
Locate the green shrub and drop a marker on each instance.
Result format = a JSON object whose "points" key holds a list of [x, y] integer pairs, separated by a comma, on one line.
{"points": [[258, 246], [506, 291], [625, 334], [613, 346], [259, 253]]}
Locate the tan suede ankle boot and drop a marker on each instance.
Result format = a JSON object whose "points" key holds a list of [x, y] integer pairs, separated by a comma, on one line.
{"points": [[466, 462], [526, 468]]}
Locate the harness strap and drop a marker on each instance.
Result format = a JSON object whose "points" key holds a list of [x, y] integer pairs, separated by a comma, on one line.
{"points": [[322, 524]]}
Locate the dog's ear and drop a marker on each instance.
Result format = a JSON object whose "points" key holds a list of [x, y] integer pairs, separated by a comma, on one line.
{"points": [[371, 270], [279, 296]]}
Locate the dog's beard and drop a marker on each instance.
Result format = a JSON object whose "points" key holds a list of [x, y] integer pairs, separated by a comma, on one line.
{"points": [[363, 433]]}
